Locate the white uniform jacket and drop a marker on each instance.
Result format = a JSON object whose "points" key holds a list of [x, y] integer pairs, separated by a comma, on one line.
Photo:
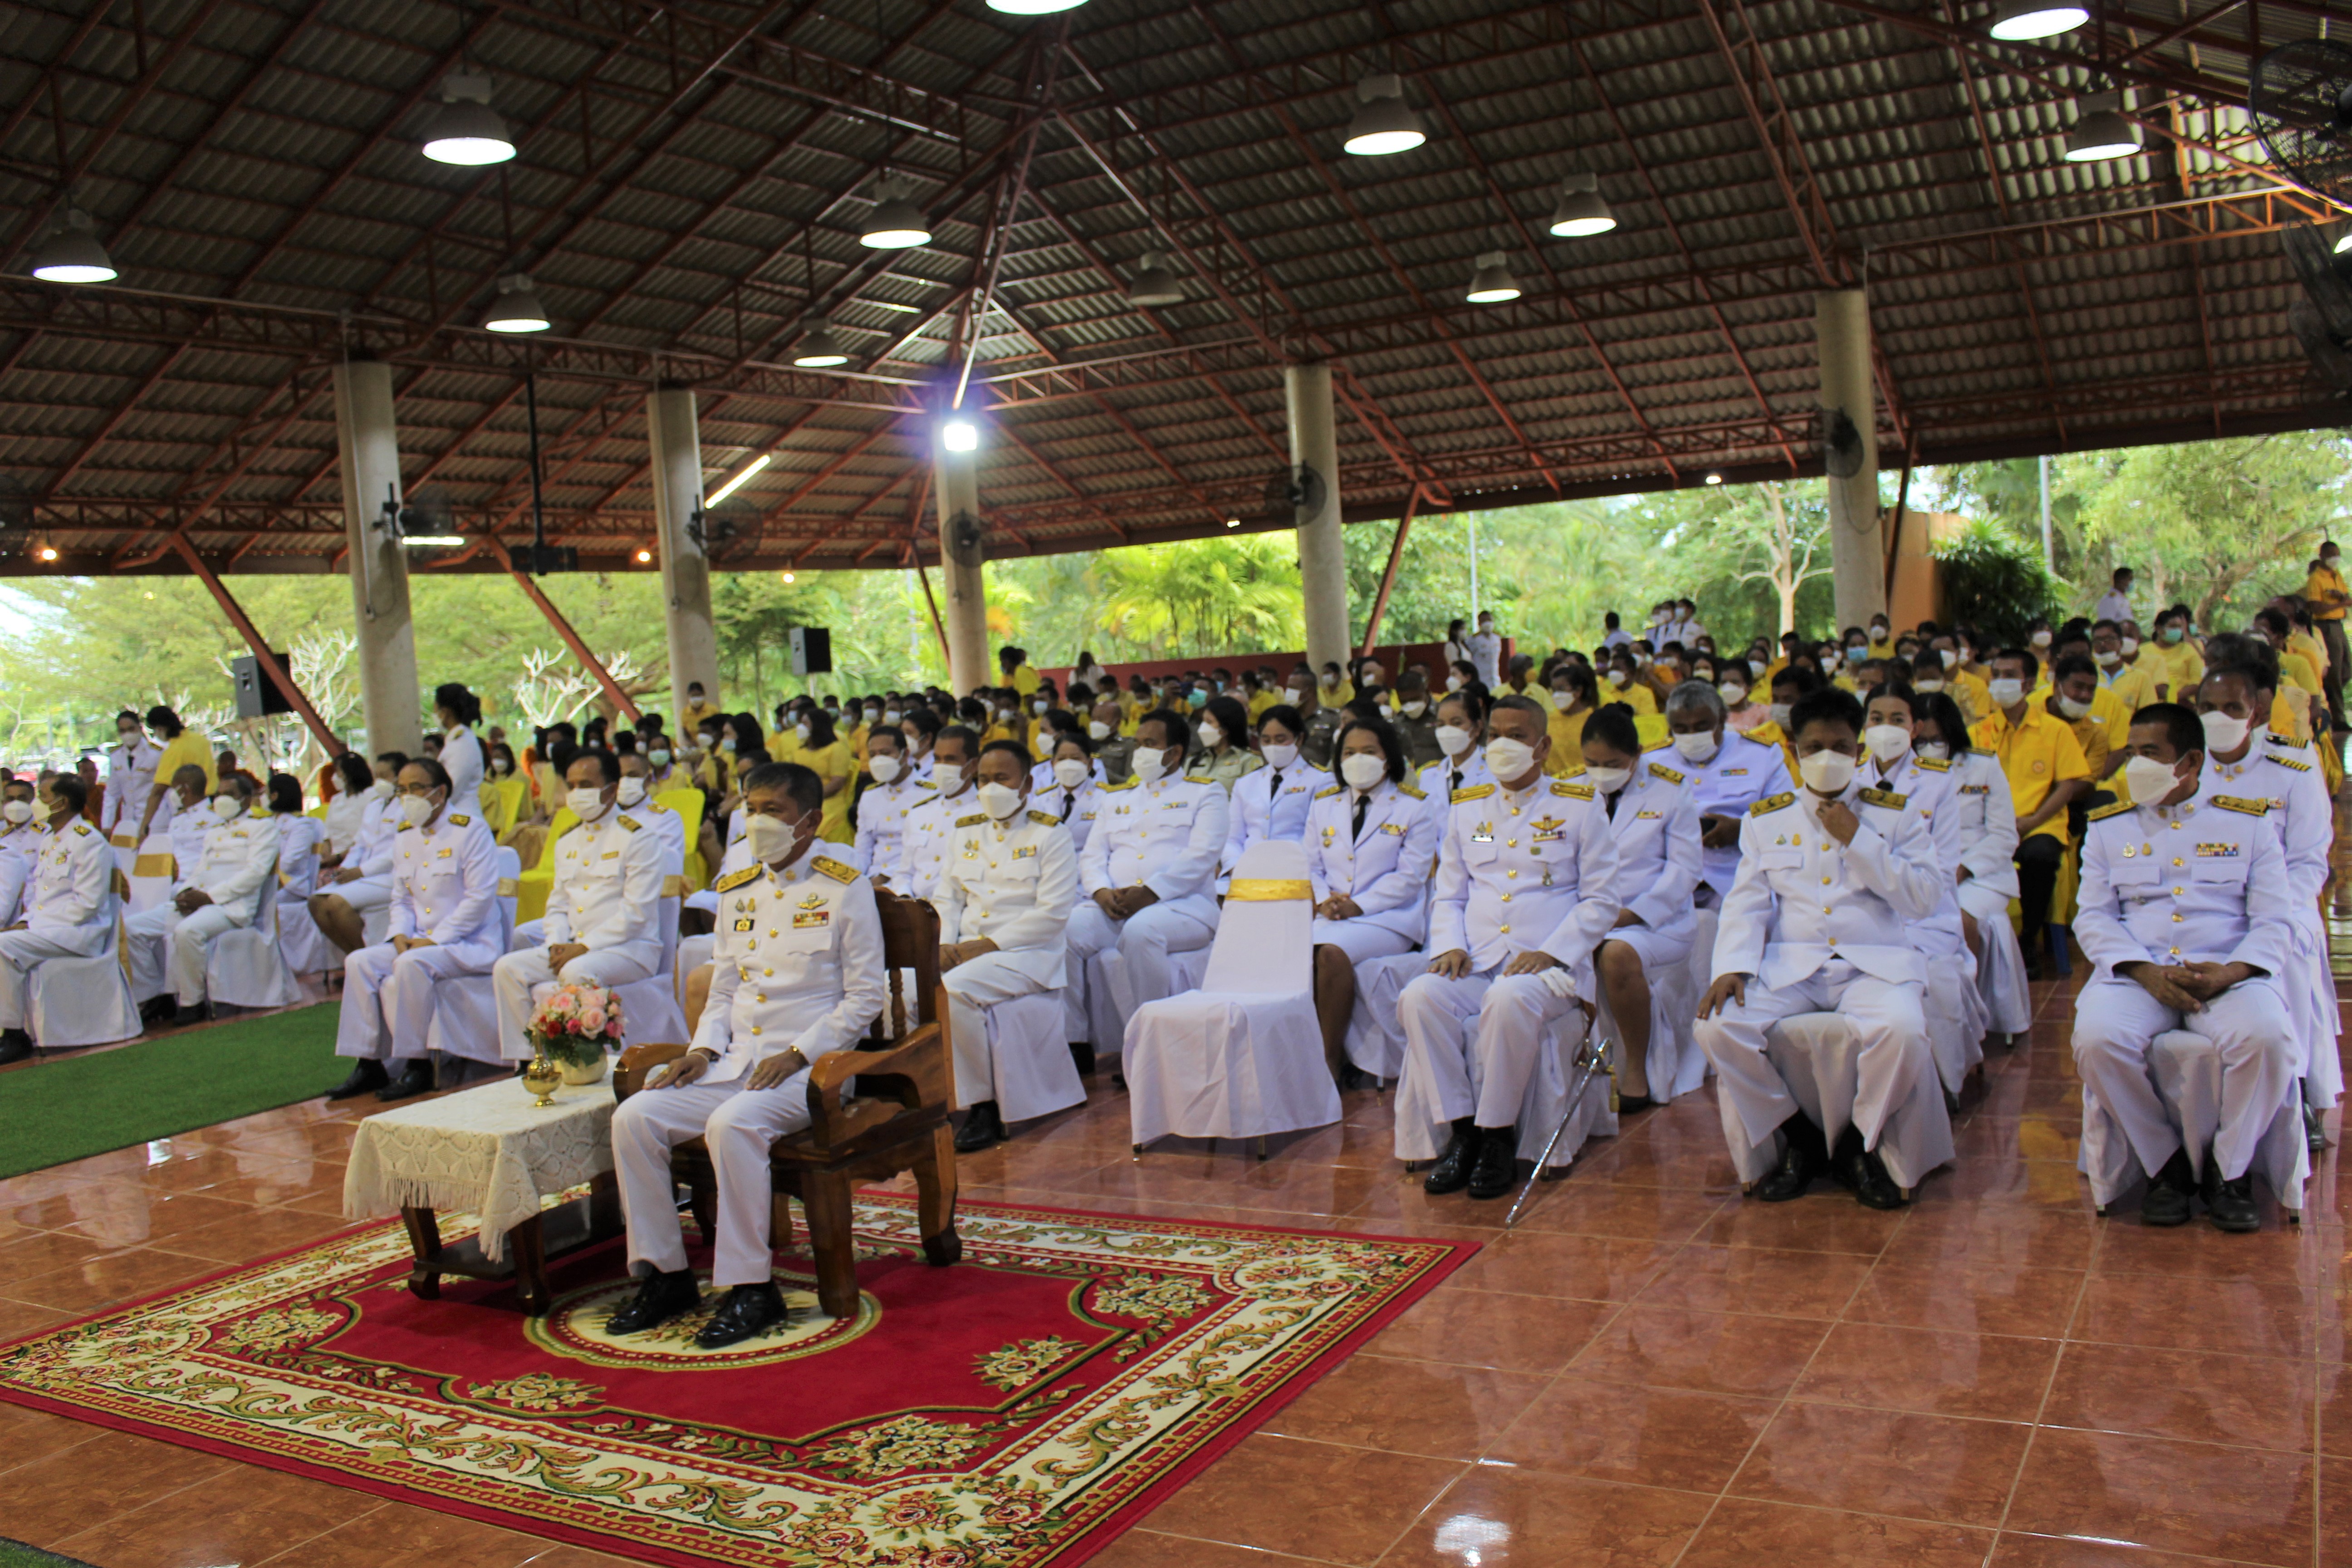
{"points": [[1075, 809], [298, 852], [671, 827], [925, 839], [799, 964], [2203, 881], [1741, 772], [1802, 898], [1979, 816], [372, 850], [22, 843], [1387, 869], [240, 857], [444, 882], [1271, 806], [1436, 780], [608, 883], [2301, 811], [190, 832], [1929, 788], [1659, 862], [1013, 883], [1167, 837], [882, 813], [71, 882], [130, 780], [461, 757], [1528, 871]]}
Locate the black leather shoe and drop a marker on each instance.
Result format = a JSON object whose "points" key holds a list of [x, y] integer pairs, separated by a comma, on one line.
{"points": [[660, 1297], [15, 1047], [748, 1310], [1629, 1103], [1803, 1156], [2230, 1205], [1082, 1054], [1452, 1172], [1497, 1170], [415, 1078], [365, 1076], [1873, 1188], [981, 1126], [2168, 1191], [2315, 1132], [164, 1009]]}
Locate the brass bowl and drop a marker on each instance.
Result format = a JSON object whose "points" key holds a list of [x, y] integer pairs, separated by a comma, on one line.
{"points": [[542, 1077]]}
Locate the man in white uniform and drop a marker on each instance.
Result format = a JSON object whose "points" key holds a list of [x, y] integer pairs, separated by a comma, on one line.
{"points": [[1727, 773], [955, 763], [360, 881], [884, 809], [634, 796], [130, 780], [799, 977], [603, 912], [2185, 915], [21, 843], [1004, 894], [1486, 651], [239, 857], [71, 914], [1526, 888], [1813, 923], [444, 924]]}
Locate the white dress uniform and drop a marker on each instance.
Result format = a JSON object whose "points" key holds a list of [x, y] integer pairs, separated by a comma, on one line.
{"points": [[1385, 868], [1659, 863], [2203, 881], [1741, 772], [882, 813], [240, 856], [1016, 883], [1487, 656], [20, 849], [1166, 837], [1441, 778], [190, 832], [1074, 809], [1952, 1004], [444, 887], [799, 964], [298, 837], [1271, 804], [371, 853], [923, 842], [669, 824], [1817, 927], [71, 914], [1530, 870], [2286, 775], [346, 815], [130, 780], [1979, 816], [461, 759], [606, 896]]}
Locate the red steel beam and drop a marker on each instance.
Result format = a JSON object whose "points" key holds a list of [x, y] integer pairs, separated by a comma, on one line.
{"points": [[1389, 576], [254, 640], [620, 699]]}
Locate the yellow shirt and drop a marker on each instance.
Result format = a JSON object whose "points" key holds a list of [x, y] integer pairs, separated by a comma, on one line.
{"points": [[2297, 671], [1567, 755], [1769, 733], [1970, 691], [694, 714], [2178, 668], [2037, 755], [2108, 712], [1260, 702], [187, 749], [2311, 647], [2321, 582], [1636, 696], [2134, 686], [830, 762], [1024, 680]]}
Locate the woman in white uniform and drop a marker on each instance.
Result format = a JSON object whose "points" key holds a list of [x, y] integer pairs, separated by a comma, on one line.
{"points": [[1371, 844], [361, 879], [1983, 820], [1270, 803], [1461, 736], [461, 753], [1073, 789]]}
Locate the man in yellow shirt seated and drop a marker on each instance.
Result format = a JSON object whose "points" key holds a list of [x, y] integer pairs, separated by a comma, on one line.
{"points": [[2116, 653], [2046, 770], [2325, 592], [2101, 708]]}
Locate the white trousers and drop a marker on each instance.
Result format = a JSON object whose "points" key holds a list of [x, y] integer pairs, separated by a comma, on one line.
{"points": [[517, 972], [2117, 1020], [738, 1124], [1144, 941], [1360, 940], [388, 998], [1472, 1045], [1889, 1024], [21, 950], [368, 893], [1028, 1073], [162, 935]]}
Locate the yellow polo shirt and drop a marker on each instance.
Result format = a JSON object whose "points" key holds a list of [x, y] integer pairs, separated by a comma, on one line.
{"points": [[2108, 711], [1635, 695], [1567, 730], [2179, 668], [2036, 754], [2323, 580], [2134, 686], [1024, 680], [187, 749]]}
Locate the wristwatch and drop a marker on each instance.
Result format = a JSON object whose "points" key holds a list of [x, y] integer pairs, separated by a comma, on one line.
{"points": [[705, 1052]]}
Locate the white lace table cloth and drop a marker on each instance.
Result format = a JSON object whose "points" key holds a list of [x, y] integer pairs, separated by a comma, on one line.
{"points": [[489, 1151]]}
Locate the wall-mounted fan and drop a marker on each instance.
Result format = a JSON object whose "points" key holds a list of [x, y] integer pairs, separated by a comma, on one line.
{"points": [[2301, 101], [2322, 319], [1297, 489]]}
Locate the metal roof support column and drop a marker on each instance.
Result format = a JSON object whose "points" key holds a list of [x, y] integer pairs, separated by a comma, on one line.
{"points": [[1322, 557], [677, 445], [1850, 453], [963, 550], [370, 455]]}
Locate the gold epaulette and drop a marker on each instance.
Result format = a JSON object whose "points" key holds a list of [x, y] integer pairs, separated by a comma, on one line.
{"points": [[1934, 765], [1886, 797], [1198, 778], [834, 868], [2251, 807], [1044, 819], [1328, 794], [974, 820], [1981, 752], [2291, 763], [1774, 803], [1571, 791], [459, 821], [575, 826], [1403, 788], [734, 879], [404, 825], [1660, 770], [1128, 783], [926, 784], [82, 827], [630, 823], [2277, 740], [1470, 791], [2106, 811]]}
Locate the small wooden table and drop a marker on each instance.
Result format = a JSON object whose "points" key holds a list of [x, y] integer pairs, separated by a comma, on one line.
{"points": [[491, 1150]]}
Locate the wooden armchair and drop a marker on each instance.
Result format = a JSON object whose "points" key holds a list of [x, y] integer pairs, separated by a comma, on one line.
{"points": [[895, 1119]]}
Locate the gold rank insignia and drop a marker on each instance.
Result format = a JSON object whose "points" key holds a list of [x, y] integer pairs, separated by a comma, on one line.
{"points": [[629, 824], [1044, 819], [734, 879], [1774, 803], [1934, 765], [2106, 811], [1406, 789], [1886, 797], [2290, 763], [1572, 791], [833, 869], [1328, 794], [2251, 807], [1471, 792], [974, 820], [1660, 770], [813, 901]]}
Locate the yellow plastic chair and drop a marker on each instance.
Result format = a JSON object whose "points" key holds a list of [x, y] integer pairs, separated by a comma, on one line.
{"points": [[502, 804], [533, 886], [688, 803]]}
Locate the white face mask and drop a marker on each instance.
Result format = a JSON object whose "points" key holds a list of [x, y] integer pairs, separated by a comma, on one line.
{"points": [[2149, 780], [1453, 683], [1563, 700], [1452, 739], [873, 715], [1608, 781], [1618, 679], [2108, 659], [1888, 741], [884, 768], [1781, 713], [587, 805], [2131, 647], [802, 728], [891, 715], [1212, 736], [1330, 678], [1277, 754], [2071, 709], [1733, 695], [1826, 772], [1362, 770], [1150, 767], [2007, 692], [380, 790], [1509, 759], [1070, 772], [2040, 639], [17, 812], [770, 840], [1699, 747], [1000, 801], [227, 807], [1098, 730], [1936, 750], [1416, 709], [1038, 706], [416, 808], [632, 790], [1928, 684], [2224, 733]]}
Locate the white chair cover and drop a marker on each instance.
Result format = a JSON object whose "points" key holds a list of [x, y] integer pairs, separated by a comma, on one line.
{"points": [[1034, 1073], [465, 1006], [2000, 978], [1956, 1013], [151, 875], [1106, 999], [1243, 1055], [2187, 1071], [1818, 1059], [247, 967], [1375, 1033], [82, 1001]]}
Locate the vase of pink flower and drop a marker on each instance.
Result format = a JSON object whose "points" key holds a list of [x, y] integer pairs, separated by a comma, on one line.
{"points": [[574, 1027]]}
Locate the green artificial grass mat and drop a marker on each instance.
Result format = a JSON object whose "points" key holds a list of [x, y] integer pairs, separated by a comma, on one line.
{"points": [[16, 1555], [58, 1111]]}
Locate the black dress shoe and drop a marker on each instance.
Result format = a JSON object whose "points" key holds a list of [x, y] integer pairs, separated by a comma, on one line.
{"points": [[660, 1297], [2230, 1205], [2315, 1132], [1452, 1172], [2168, 1191], [1873, 1188], [415, 1078], [1353, 1078], [15, 1047], [1497, 1170], [1803, 1155], [981, 1126], [1629, 1103], [1084, 1056], [748, 1310], [164, 1009], [365, 1076]]}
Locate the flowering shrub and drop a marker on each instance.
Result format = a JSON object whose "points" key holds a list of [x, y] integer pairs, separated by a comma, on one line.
{"points": [[574, 1022]]}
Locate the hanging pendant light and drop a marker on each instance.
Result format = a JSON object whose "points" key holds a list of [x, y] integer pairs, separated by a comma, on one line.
{"points": [[2100, 133], [465, 129], [71, 253], [1383, 121], [2037, 18], [1491, 283], [1033, 7], [1153, 284], [895, 223], [1582, 210], [819, 349], [517, 309]]}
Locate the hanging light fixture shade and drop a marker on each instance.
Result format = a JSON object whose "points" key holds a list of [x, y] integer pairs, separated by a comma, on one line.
{"points": [[2037, 18], [2100, 133], [517, 309], [1491, 283], [1153, 284], [895, 223], [819, 349], [71, 253], [1383, 121], [465, 129], [1033, 7], [1582, 210]]}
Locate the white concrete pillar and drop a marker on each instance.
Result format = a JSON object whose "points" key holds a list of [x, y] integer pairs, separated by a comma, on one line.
{"points": [[676, 456], [1849, 452], [1322, 558], [963, 551], [369, 444]]}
